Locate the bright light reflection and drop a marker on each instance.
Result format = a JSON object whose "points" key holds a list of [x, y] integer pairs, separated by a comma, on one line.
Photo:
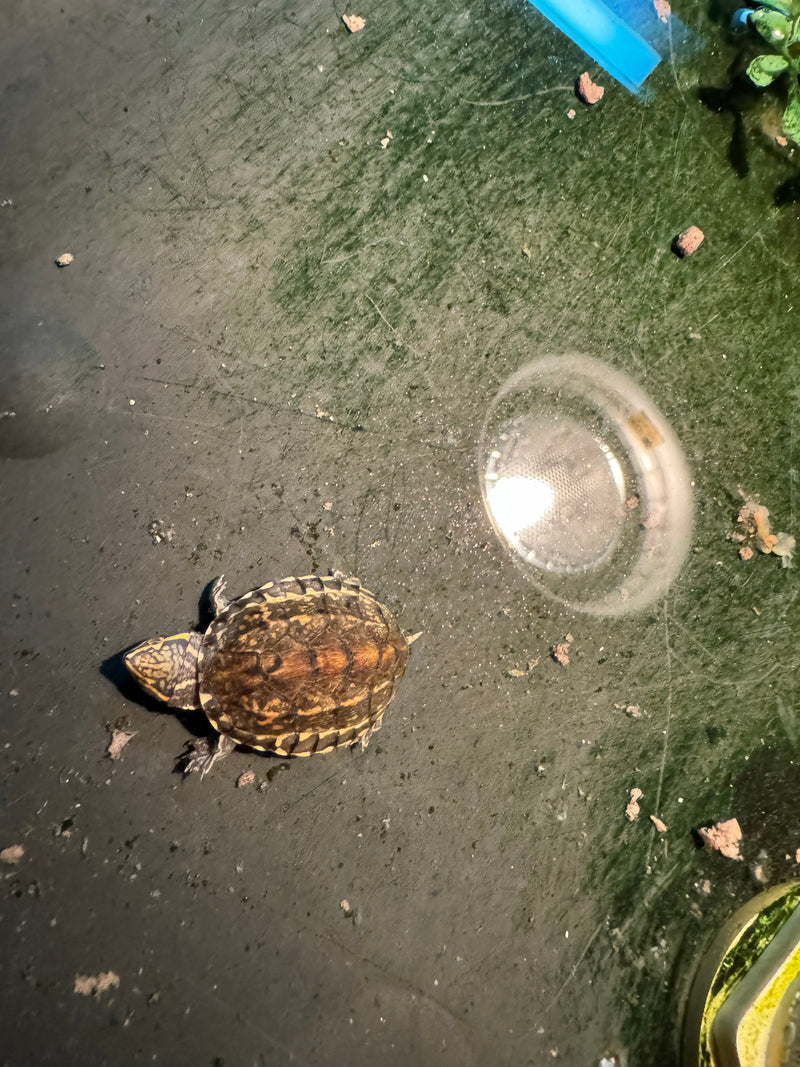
{"points": [[518, 503]]}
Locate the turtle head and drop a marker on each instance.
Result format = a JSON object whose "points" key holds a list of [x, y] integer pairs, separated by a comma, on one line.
{"points": [[166, 668]]}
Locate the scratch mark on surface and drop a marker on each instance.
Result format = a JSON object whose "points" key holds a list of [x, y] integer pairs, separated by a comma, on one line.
{"points": [[648, 898], [574, 968], [706, 278], [676, 173], [657, 805], [788, 717], [384, 975], [517, 99], [672, 65], [708, 322], [695, 641], [232, 484], [358, 252], [392, 328]]}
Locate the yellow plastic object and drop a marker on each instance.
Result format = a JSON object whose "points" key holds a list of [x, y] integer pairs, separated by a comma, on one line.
{"points": [[744, 1006]]}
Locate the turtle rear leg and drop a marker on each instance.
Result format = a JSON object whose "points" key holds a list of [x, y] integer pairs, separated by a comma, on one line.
{"points": [[206, 754]]}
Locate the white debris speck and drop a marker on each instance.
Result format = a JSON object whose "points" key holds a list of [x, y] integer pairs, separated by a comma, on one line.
{"points": [[759, 875], [12, 854], [65, 259], [784, 547]]}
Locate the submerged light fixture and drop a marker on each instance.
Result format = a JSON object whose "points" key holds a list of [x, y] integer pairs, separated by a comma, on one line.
{"points": [[586, 485]]}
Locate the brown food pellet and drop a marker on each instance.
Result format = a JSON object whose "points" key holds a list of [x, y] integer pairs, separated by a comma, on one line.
{"points": [[92, 985], [724, 837], [687, 243], [560, 653], [662, 9], [632, 810], [354, 23], [587, 90]]}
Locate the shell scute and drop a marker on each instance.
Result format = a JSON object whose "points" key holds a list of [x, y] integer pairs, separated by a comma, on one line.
{"points": [[302, 665]]}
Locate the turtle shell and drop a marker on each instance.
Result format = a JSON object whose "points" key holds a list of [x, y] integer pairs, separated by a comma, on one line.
{"points": [[300, 666]]}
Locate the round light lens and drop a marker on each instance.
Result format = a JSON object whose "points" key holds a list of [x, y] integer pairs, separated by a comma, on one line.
{"points": [[586, 484]]}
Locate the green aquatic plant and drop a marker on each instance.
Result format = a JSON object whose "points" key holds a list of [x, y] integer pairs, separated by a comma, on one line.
{"points": [[779, 25]]}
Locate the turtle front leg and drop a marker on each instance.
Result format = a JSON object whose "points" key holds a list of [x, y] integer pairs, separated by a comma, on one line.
{"points": [[215, 594], [206, 754]]}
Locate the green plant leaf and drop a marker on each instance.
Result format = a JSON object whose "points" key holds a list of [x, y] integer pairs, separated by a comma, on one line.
{"points": [[763, 70], [784, 6], [791, 119], [774, 27]]}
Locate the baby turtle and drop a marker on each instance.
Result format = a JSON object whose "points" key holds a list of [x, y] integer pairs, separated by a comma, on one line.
{"points": [[294, 667]]}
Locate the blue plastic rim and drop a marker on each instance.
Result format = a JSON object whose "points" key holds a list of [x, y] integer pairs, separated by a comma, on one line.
{"points": [[609, 39]]}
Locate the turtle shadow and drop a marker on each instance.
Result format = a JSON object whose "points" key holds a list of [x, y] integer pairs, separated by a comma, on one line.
{"points": [[205, 607], [738, 99], [114, 670], [788, 192]]}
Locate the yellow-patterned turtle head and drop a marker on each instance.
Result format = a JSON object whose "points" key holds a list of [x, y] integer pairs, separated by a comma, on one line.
{"points": [[166, 668]]}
